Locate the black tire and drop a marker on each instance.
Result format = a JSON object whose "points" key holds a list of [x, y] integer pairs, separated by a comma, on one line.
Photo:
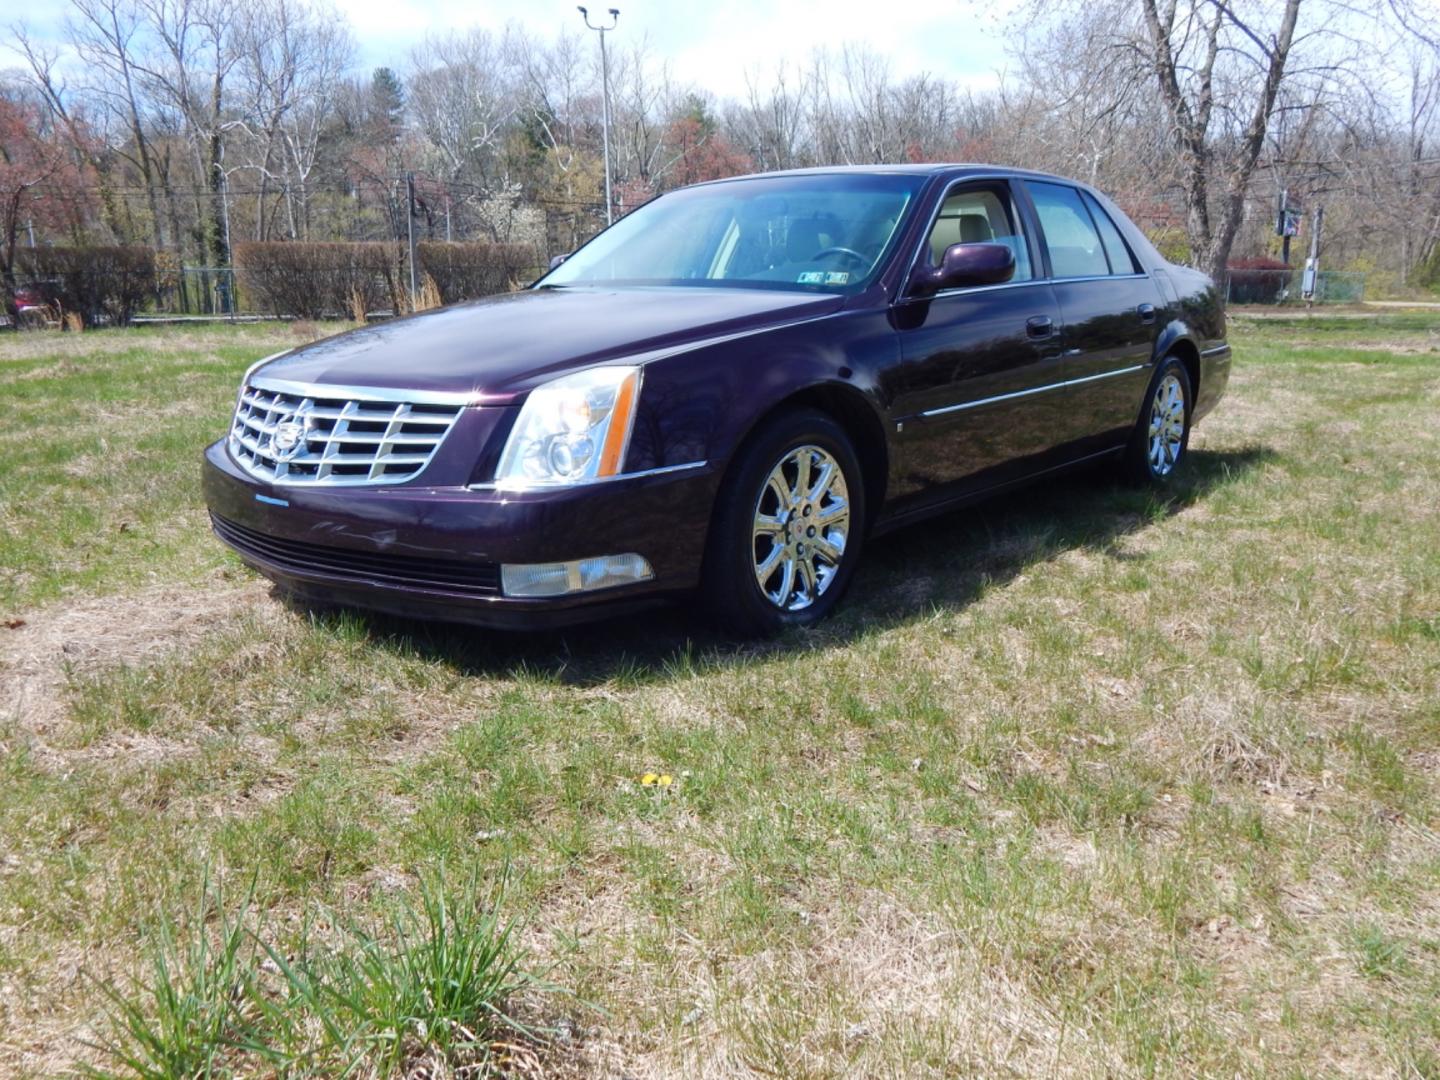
{"points": [[731, 589], [1140, 465]]}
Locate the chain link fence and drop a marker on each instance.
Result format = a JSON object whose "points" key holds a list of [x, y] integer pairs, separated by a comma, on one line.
{"points": [[1267, 286], [219, 292], [44, 301]]}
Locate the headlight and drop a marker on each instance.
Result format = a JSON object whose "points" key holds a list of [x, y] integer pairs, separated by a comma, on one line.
{"points": [[572, 430]]}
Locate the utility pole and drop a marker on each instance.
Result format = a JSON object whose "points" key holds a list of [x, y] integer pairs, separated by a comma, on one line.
{"points": [[1310, 282], [1287, 222], [1284, 230], [225, 205], [604, 101], [410, 233]]}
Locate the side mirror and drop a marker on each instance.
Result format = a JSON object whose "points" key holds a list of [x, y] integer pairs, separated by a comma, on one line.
{"points": [[556, 260], [965, 264]]}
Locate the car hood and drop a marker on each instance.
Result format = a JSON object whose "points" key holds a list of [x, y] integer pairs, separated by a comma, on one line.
{"points": [[500, 347]]}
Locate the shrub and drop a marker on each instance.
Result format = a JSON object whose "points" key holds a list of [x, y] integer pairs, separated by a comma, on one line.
{"points": [[1171, 243], [101, 284], [313, 281], [1258, 280], [428, 296], [464, 271]]}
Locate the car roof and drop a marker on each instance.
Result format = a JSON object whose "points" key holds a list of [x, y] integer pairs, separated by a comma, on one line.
{"points": [[958, 168]]}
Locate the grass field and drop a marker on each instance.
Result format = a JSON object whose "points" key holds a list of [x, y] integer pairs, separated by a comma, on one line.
{"points": [[1082, 782]]}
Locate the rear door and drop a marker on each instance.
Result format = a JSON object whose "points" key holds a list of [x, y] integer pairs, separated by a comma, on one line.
{"points": [[974, 396], [1110, 309]]}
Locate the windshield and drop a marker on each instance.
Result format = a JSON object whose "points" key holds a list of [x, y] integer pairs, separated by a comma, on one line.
{"points": [[825, 232]]}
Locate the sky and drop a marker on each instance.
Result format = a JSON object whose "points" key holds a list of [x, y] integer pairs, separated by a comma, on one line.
{"points": [[712, 45], [716, 44]]}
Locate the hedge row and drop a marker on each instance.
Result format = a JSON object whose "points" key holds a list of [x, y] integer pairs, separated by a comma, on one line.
{"points": [[1258, 280], [313, 281], [463, 271], [102, 284]]}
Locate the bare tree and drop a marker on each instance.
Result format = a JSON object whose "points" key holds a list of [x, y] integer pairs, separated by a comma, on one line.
{"points": [[770, 124], [290, 58], [196, 46], [105, 35], [644, 97], [326, 56], [1185, 48], [463, 97]]}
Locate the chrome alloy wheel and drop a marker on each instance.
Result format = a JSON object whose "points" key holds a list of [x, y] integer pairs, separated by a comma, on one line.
{"points": [[802, 521], [1167, 425]]}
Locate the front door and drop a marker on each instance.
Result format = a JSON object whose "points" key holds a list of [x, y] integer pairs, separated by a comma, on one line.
{"points": [[976, 398]]}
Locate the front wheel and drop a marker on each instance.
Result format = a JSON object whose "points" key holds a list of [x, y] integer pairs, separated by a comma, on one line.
{"points": [[788, 527], [1162, 434]]}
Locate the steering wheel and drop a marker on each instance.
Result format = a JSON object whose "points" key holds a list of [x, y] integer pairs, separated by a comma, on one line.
{"points": [[848, 252]]}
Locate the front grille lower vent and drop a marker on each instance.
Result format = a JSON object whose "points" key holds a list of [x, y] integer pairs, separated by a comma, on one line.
{"points": [[367, 567], [291, 436]]}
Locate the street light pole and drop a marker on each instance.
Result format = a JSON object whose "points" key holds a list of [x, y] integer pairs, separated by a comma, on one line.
{"points": [[604, 101]]}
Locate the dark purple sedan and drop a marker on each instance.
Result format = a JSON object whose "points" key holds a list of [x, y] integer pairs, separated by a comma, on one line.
{"points": [[726, 394]]}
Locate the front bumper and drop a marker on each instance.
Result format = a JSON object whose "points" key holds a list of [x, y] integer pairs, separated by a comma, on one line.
{"points": [[434, 551]]}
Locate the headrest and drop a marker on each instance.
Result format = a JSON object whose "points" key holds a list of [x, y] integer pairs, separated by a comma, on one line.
{"points": [[975, 229], [803, 239]]}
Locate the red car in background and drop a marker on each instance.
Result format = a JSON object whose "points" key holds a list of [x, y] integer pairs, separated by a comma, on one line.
{"points": [[37, 304]]}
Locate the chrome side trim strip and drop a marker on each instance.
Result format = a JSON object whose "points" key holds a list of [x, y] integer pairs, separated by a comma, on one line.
{"points": [[971, 290], [1105, 375], [519, 489], [1214, 350], [389, 395], [1026, 393], [1097, 277], [946, 410]]}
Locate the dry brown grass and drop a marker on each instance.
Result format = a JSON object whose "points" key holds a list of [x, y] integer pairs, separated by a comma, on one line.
{"points": [[359, 308], [428, 298]]}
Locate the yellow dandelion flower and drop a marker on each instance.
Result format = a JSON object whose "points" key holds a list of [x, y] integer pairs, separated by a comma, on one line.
{"points": [[648, 779], [666, 780]]}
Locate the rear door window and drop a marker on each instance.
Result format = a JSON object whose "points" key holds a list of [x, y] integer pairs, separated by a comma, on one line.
{"points": [[1070, 233]]}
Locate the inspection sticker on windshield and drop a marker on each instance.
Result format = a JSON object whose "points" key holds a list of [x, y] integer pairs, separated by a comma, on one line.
{"points": [[812, 277], [837, 277]]}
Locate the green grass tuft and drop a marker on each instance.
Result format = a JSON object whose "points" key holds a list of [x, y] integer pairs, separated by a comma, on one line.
{"points": [[227, 995]]}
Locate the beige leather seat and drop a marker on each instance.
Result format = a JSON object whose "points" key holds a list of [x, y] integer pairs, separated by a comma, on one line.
{"points": [[958, 229]]}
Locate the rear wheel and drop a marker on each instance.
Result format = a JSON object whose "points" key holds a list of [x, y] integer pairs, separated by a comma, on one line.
{"points": [[788, 527], [1162, 434]]}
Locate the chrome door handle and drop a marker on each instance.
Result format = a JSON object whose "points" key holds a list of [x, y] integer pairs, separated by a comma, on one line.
{"points": [[1039, 326], [1146, 313]]}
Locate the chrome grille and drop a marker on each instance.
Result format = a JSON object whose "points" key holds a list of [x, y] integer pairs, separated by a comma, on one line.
{"points": [[315, 434]]}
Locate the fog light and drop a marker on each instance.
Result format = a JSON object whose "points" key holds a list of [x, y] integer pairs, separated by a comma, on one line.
{"points": [[578, 575]]}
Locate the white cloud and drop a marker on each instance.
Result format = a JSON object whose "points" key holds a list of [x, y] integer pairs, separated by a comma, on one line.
{"points": [[713, 45]]}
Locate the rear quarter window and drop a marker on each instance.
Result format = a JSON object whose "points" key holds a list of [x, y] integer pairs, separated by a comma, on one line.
{"points": [[1122, 261]]}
